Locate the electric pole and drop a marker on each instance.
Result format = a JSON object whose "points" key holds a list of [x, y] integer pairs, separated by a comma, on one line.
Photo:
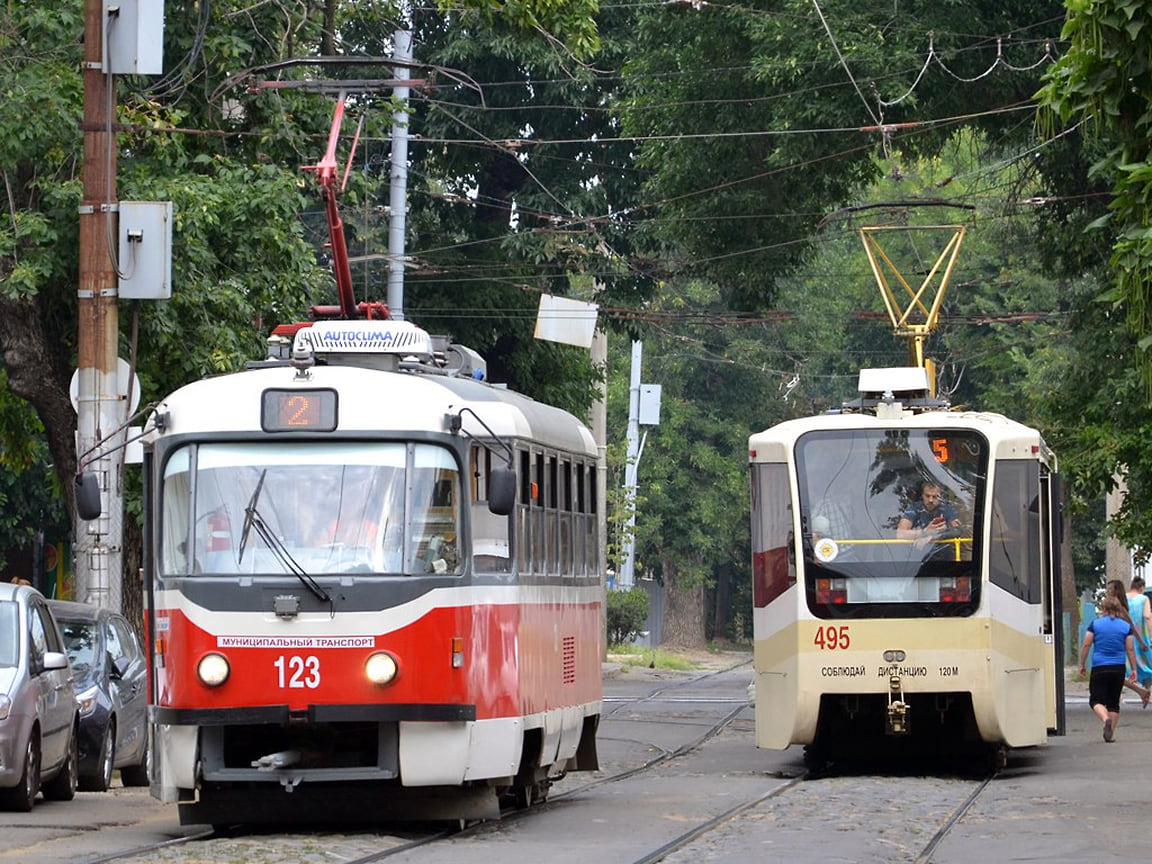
{"points": [[626, 578], [398, 175], [98, 409]]}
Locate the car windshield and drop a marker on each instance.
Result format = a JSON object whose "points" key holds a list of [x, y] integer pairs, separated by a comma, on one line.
{"points": [[80, 643], [9, 633]]}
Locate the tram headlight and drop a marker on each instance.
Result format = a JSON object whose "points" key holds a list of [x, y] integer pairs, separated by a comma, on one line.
{"points": [[380, 668], [213, 669]]}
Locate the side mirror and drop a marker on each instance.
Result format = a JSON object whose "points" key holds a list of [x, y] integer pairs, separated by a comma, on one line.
{"points": [[55, 660], [87, 496], [118, 668], [502, 491]]}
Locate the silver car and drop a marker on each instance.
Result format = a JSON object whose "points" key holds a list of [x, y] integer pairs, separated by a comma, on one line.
{"points": [[39, 714]]}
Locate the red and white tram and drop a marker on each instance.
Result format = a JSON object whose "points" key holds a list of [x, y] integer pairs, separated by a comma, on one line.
{"points": [[372, 585]]}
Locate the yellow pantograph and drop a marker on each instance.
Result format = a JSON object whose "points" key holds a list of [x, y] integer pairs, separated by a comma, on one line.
{"points": [[913, 311]]}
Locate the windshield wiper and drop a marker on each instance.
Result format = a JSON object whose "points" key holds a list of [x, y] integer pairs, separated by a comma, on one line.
{"points": [[285, 557], [250, 515]]}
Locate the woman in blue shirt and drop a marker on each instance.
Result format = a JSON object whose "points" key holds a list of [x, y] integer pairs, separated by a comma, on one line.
{"points": [[1111, 641]]}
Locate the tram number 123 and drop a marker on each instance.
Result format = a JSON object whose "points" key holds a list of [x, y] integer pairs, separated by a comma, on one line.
{"points": [[831, 638], [297, 672]]}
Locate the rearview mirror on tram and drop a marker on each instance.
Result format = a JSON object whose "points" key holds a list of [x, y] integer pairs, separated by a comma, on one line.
{"points": [[502, 491], [87, 496]]}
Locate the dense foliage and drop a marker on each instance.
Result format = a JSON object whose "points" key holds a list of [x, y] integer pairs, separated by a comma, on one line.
{"points": [[699, 170]]}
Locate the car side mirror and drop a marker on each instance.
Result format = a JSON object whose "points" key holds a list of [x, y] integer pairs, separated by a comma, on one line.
{"points": [[55, 660], [119, 667], [502, 491]]}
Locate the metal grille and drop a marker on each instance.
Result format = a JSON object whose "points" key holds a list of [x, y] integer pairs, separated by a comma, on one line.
{"points": [[568, 652]]}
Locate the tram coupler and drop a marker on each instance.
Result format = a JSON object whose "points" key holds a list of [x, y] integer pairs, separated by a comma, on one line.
{"points": [[897, 708], [276, 761]]}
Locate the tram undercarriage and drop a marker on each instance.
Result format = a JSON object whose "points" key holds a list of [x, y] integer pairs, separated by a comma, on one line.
{"points": [[351, 772], [871, 727]]}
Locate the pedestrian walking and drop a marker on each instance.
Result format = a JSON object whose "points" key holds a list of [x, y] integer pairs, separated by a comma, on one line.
{"points": [[1138, 686], [1140, 611], [1111, 639]]}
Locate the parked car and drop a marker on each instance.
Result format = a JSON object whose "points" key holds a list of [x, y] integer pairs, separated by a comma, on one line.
{"points": [[39, 713], [111, 681]]}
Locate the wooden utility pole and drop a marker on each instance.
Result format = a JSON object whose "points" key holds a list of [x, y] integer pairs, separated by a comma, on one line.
{"points": [[97, 544]]}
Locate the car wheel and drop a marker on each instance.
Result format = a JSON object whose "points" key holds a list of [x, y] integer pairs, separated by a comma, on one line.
{"points": [[62, 787], [21, 796], [101, 778], [141, 773]]}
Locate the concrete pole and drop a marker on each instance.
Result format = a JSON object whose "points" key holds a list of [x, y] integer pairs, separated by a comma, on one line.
{"points": [[628, 563], [398, 176], [99, 408], [599, 420]]}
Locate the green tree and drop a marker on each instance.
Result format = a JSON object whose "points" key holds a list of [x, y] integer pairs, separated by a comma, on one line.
{"points": [[508, 193], [692, 519], [746, 156], [1102, 84]]}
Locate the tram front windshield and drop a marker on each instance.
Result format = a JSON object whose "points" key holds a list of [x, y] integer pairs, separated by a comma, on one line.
{"points": [[891, 521], [335, 507]]}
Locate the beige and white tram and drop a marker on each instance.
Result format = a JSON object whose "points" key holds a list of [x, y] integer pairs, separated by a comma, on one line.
{"points": [[870, 639]]}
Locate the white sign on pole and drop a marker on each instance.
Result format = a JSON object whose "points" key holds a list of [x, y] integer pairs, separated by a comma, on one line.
{"points": [[122, 372], [560, 319]]}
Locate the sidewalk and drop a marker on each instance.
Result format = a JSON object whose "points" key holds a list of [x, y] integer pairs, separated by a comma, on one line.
{"points": [[1073, 686]]}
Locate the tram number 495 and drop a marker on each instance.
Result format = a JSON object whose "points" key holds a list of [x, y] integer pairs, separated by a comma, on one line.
{"points": [[830, 638], [297, 672]]}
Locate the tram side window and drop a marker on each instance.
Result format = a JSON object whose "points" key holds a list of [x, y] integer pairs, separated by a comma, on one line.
{"points": [[538, 528], [592, 523], [551, 517], [177, 499], [435, 495], [773, 559], [490, 549], [1014, 538], [563, 517], [523, 525], [576, 501]]}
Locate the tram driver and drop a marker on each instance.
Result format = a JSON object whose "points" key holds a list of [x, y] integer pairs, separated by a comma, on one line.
{"points": [[929, 518]]}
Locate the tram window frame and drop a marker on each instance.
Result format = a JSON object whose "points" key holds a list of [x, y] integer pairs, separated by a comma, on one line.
{"points": [[551, 516], [1016, 491], [491, 535], [772, 523], [481, 468], [564, 541], [874, 582], [523, 514], [592, 531], [538, 560]]}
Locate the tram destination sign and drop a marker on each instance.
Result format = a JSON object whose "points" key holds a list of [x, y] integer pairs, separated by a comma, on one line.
{"points": [[298, 410]]}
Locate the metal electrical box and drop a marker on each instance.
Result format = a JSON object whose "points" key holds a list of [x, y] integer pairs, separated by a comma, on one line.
{"points": [[649, 405], [134, 37], [146, 250]]}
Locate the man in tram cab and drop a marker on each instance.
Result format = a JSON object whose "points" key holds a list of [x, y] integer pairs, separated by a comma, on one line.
{"points": [[929, 518]]}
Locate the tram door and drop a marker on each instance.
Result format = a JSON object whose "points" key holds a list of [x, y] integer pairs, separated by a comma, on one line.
{"points": [[1051, 524]]}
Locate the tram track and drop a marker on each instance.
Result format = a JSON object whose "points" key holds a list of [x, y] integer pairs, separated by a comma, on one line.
{"points": [[833, 815], [233, 846], [805, 793]]}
